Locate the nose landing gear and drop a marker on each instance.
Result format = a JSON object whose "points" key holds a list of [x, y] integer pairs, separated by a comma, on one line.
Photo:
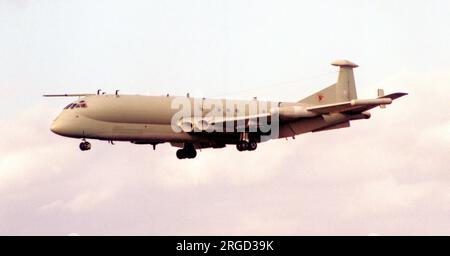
{"points": [[84, 145]]}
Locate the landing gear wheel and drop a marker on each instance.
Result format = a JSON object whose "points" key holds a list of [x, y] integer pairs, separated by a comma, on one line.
{"points": [[242, 145], [187, 152], [181, 154], [252, 145], [85, 146], [191, 154]]}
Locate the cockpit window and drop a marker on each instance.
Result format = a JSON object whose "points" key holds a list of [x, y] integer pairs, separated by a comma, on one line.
{"points": [[81, 104]]}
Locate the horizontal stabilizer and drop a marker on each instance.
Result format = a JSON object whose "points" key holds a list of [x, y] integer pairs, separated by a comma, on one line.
{"points": [[355, 106], [394, 96]]}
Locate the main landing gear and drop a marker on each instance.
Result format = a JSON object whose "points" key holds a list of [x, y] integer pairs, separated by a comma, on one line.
{"points": [[245, 143], [84, 145], [187, 152]]}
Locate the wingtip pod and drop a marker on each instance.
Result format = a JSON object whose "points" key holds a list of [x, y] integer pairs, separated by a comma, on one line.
{"points": [[344, 63]]}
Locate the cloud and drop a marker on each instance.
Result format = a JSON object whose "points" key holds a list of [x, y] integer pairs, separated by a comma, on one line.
{"points": [[386, 175], [83, 201], [438, 134]]}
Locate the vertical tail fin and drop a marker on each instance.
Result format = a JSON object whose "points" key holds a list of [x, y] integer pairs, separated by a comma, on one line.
{"points": [[343, 90]]}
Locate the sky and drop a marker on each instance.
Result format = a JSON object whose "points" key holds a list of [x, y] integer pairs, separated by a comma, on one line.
{"points": [[388, 175]]}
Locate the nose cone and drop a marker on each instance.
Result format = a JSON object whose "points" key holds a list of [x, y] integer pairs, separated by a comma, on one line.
{"points": [[62, 126], [67, 126], [56, 127]]}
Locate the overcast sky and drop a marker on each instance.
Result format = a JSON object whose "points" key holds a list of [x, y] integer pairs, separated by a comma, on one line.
{"points": [[386, 175]]}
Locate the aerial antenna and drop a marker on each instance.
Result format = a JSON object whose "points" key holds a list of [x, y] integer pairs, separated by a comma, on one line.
{"points": [[68, 95]]}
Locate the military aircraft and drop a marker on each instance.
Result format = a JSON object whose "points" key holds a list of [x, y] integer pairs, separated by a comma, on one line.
{"points": [[197, 123]]}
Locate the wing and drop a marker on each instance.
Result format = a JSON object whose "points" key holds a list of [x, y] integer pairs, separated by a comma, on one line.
{"points": [[222, 124], [240, 122]]}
